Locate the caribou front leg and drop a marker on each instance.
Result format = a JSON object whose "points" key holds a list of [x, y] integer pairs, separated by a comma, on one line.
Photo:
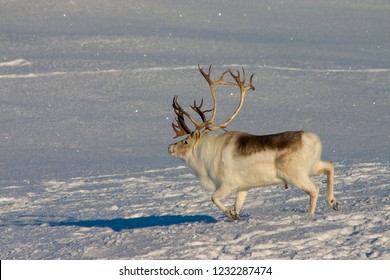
{"points": [[220, 194]]}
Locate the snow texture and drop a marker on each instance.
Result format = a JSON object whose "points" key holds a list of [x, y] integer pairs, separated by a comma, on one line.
{"points": [[85, 101]]}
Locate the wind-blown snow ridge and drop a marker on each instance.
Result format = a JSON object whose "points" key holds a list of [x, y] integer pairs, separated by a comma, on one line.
{"points": [[60, 73], [15, 63], [172, 68], [326, 70], [21, 62]]}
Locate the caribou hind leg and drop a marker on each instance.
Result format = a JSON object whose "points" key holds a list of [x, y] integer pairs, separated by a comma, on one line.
{"points": [[307, 185], [326, 167]]}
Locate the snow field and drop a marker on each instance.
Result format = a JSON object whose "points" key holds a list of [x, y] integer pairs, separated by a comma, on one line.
{"points": [[79, 219]]}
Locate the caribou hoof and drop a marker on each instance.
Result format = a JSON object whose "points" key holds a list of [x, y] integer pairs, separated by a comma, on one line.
{"points": [[232, 214], [334, 204]]}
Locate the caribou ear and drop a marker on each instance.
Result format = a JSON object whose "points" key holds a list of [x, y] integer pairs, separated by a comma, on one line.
{"points": [[195, 134]]}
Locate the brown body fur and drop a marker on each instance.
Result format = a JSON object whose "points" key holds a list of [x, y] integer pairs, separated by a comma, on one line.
{"points": [[248, 144]]}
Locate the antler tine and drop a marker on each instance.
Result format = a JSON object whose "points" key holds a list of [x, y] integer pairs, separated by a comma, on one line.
{"points": [[241, 83], [201, 113], [206, 76], [236, 77], [180, 128], [250, 82], [180, 112]]}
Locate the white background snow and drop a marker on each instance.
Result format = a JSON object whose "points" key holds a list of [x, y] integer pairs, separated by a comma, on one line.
{"points": [[85, 102]]}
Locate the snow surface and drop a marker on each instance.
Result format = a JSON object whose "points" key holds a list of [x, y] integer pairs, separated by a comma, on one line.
{"points": [[86, 90]]}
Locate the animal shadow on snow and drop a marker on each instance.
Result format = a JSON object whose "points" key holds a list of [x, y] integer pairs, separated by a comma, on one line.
{"points": [[140, 222]]}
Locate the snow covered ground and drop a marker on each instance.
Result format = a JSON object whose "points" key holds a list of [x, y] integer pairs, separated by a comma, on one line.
{"points": [[85, 101]]}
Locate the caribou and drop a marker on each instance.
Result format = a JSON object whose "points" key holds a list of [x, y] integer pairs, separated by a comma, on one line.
{"points": [[235, 161]]}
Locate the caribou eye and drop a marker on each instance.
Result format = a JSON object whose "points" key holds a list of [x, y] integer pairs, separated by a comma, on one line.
{"points": [[185, 142]]}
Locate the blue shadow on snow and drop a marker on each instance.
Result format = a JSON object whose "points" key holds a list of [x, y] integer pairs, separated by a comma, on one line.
{"points": [[141, 222]]}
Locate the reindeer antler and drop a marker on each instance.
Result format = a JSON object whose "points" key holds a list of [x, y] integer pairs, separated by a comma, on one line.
{"points": [[199, 111], [182, 129], [243, 90]]}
